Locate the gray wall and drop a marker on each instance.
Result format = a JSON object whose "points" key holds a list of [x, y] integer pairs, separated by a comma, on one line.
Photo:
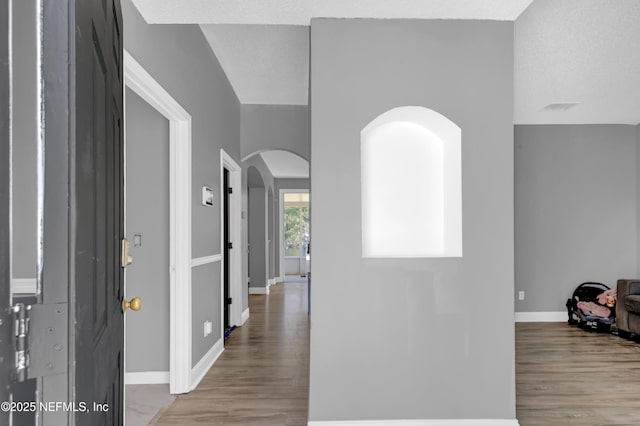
{"points": [[266, 127], [282, 183], [261, 177], [180, 59], [205, 307], [427, 338], [24, 128], [147, 150], [575, 210], [257, 237], [637, 200], [270, 234]]}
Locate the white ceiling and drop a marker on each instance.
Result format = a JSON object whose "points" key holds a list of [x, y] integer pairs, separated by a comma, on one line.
{"points": [[300, 12], [266, 64], [266, 57], [283, 164], [584, 51]]}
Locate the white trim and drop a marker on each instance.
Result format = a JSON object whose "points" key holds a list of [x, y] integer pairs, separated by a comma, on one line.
{"points": [[245, 316], [280, 250], [199, 261], [279, 279], [142, 83], [430, 422], [146, 377], [271, 281], [202, 367], [235, 236], [259, 290], [541, 316], [24, 286]]}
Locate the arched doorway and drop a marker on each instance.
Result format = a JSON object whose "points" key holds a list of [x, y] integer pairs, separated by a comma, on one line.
{"points": [[268, 174]]}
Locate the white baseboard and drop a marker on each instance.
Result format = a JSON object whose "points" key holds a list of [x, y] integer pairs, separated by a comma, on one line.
{"points": [[203, 366], [272, 281], [23, 286], [244, 317], [444, 422], [259, 290], [279, 280], [542, 316], [146, 377]]}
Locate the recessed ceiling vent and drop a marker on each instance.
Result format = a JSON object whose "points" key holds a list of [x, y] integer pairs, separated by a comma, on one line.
{"points": [[559, 106]]}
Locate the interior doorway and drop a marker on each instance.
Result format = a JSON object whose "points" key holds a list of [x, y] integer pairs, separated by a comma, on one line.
{"points": [[178, 374], [147, 230], [257, 228], [230, 238], [295, 234], [226, 247], [270, 173]]}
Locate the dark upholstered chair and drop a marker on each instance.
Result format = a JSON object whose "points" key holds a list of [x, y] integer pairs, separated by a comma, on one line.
{"points": [[628, 308]]}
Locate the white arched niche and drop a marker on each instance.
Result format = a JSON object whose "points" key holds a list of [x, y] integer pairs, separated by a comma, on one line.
{"points": [[411, 165]]}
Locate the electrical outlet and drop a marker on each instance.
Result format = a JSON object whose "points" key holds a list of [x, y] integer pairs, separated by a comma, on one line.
{"points": [[521, 295], [208, 328]]}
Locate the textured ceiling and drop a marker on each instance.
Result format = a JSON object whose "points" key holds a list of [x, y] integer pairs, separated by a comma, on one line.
{"points": [[266, 64], [283, 164], [584, 51], [299, 12]]}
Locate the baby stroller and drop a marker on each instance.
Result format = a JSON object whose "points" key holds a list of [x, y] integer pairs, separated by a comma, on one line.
{"points": [[588, 308]]}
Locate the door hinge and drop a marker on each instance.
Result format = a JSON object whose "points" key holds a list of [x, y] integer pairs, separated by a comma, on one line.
{"points": [[230, 190], [230, 246], [40, 340], [229, 301]]}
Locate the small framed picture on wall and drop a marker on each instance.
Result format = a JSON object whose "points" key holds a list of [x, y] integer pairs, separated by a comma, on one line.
{"points": [[207, 196]]}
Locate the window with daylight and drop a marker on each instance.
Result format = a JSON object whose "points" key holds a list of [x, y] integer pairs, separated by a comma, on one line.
{"points": [[411, 165], [296, 223]]}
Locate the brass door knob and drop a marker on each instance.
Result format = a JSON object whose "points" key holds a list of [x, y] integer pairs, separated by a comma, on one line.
{"points": [[135, 304]]}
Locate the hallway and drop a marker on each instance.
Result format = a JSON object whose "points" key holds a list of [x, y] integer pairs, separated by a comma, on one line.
{"points": [[262, 377]]}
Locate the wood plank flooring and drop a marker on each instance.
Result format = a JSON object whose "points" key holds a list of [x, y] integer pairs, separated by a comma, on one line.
{"points": [[569, 376], [262, 377], [564, 375]]}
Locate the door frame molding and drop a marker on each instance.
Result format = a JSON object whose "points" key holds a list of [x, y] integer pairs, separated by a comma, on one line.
{"points": [[281, 254], [143, 84], [235, 229]]}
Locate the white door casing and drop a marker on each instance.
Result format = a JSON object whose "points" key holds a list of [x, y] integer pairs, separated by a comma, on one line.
{"points": [[145, 86], [235, 228]]}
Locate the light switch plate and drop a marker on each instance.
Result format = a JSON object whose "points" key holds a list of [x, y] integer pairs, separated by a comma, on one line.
{"points": [[207, 196]]}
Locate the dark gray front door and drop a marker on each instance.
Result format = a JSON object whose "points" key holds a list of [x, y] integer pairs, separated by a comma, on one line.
{"points": [[79, 358], [98, 211], [5, 158]]}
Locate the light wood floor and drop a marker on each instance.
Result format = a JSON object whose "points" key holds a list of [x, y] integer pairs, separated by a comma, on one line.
{"points": [[262, 377], [569, 376], [564, 375]]}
